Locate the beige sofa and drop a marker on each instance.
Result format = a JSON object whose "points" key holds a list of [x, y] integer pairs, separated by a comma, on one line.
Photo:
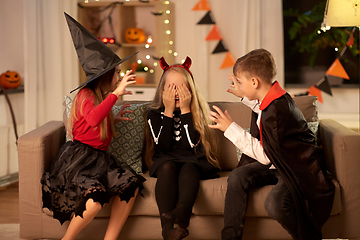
{"points": [[342, 153]]}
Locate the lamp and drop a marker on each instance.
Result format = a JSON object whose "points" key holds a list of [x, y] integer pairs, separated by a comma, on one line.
{"points": [[342, 13]]}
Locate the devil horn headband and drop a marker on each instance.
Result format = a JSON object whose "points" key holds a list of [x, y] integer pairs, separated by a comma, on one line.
{"points": [[186, 65]]}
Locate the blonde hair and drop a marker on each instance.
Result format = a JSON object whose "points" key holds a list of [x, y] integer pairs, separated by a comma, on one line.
{"points": [[100, 88], [259, 63], [199, 111]]}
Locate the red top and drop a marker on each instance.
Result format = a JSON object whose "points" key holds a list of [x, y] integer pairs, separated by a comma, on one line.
{"points": [[87, 128]]}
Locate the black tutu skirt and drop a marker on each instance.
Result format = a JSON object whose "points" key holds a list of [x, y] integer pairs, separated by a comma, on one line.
{"points": [[80, 172]]}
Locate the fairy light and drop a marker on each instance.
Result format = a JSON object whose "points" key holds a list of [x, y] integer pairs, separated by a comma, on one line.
{"points": [[167, 11], [166, 21], [139, 61], [175, 54], [171, 42], [86, 1], [168, 32], [147, 45], [147, 56], [146, 69], [170, 51], [336, 49], [155, 64], [151, 70], [167, 2], [122, 74], [319, 32]]}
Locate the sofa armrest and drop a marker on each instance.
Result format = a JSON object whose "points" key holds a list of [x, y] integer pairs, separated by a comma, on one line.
{"points": [[341, 147], [35, 150]]}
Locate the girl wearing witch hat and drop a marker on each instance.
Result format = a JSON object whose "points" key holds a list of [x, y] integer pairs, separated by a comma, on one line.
{"points": [[83, 176], [180, 147]]}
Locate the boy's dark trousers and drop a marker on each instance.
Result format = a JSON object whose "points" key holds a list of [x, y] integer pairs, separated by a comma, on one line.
{"points": [[278, 204]]}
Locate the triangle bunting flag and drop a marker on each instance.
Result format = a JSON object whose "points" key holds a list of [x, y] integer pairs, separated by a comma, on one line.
{"points": [[202, 5], [219, 48], [324, 85], [207, 19], [351, 40], [214, 34], [229, 61], [337, 70], [316, 92]]}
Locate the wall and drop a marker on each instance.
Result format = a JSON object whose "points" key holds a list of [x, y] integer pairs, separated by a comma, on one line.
{"points": [[12, 58], [344, 102]]}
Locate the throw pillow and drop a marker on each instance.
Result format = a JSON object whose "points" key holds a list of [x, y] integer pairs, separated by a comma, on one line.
{"points": [[128, 146]]}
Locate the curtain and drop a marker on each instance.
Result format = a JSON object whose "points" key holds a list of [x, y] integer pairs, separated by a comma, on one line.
{"points": [[51, 64], [244, 25]]}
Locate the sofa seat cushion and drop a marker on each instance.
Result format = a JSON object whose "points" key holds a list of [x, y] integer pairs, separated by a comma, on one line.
{"points": [[210, 199]]}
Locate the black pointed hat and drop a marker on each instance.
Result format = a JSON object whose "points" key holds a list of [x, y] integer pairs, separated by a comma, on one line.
{"points": [[95, 58]]}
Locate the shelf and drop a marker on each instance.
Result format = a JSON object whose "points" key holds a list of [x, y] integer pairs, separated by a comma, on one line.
{"points": [[20, 89], [149, 16]]}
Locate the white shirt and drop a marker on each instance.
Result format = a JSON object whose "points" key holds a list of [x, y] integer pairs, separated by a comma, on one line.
{"points": [[244, 141]]}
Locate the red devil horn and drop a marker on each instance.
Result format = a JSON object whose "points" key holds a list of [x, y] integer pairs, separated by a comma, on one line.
{"points": [[187, 63], [163, 64]]}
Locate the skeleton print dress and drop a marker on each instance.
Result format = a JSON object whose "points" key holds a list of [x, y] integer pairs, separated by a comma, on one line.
{"points": [[177, 140]]}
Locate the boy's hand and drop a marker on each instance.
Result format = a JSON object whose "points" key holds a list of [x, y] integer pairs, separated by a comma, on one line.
{"points": [[169, 100], [185, 98], [235, 87], [125, 81], [222, 120], [120, 115]]}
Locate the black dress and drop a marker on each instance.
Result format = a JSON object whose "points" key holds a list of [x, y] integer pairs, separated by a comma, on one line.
{"points": [[177, 140], [79, 172]]}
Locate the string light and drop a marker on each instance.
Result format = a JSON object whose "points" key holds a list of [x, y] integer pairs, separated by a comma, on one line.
{"points": [[167, 2], [168, 32], [166, 21], [155, 64], [336, 49], [147, 56], [175, 54], [171, 42], [147, 45], [167, 11]]}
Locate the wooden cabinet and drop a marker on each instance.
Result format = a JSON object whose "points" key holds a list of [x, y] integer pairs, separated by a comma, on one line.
{"points": [[112, 19]]}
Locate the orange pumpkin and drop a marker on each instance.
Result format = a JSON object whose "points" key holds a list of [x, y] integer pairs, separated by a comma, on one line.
{"points": [[10, 80], [134, 35]]}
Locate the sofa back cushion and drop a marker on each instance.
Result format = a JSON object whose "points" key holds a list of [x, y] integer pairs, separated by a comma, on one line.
{"points": [[241, 114], [228, 155]]}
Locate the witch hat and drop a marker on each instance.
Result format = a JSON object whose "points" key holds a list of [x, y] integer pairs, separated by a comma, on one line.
{"points": [[95, 58]]}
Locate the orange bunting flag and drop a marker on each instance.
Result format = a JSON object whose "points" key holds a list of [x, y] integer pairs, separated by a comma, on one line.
{"points": [[229, 61], [350, 41], [214, 34], [337, 70], [316, 92], [202, 5]]}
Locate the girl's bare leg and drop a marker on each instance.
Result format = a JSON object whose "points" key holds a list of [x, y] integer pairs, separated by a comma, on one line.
{"points": [[120, 211], [78, 223]]}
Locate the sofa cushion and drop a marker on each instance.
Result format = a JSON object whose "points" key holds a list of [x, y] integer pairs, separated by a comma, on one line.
{"points": [[210, 199]]}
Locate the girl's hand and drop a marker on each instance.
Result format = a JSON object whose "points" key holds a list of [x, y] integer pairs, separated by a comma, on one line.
{"points": [[222, 120], [124, 82], [235, 87], [185, 98], [120, 115], [169, 100]]}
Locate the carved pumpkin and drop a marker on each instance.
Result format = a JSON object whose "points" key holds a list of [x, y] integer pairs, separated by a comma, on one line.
{"points": [[10, 80], [134, 35]]}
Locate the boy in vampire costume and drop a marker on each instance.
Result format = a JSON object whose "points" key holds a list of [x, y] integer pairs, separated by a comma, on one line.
{"points": [[280, 150]]}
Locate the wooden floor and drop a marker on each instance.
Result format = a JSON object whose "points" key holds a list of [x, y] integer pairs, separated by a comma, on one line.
{"points": [[9, 204]]}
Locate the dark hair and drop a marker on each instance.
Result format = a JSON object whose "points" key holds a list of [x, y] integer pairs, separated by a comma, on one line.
{"points": [[259, 63]]}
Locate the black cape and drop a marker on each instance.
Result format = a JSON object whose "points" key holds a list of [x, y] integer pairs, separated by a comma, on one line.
{"points": [[290, 146]]}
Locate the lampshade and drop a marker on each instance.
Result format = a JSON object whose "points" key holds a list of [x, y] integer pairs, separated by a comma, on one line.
{"points": [[343, 13]]}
